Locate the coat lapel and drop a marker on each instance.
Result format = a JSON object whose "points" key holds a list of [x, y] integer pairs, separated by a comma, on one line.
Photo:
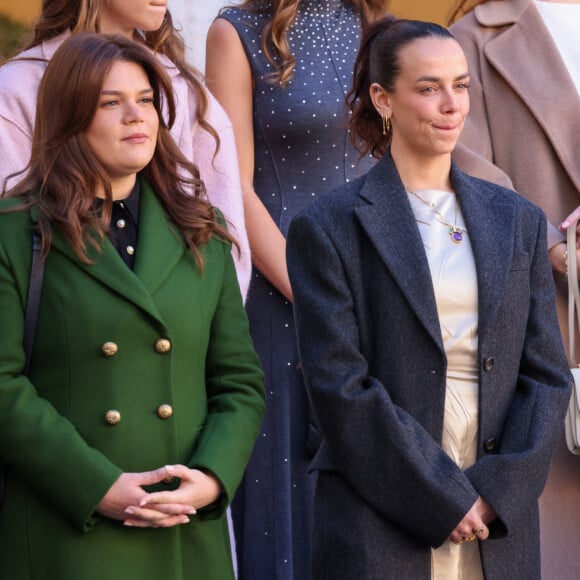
{"points": [[158, 251], [490, 225], [390, 224], [160, 244], [558, 117]]}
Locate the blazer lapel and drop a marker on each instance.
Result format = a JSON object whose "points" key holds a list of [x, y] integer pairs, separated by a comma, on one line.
{"points": [[390, 224], [158, 251], [490, 225], [559, 117]]}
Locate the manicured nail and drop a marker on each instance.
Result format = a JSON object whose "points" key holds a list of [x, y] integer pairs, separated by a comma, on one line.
{"points": [[564, 224], [129, 510], [128, 524]]}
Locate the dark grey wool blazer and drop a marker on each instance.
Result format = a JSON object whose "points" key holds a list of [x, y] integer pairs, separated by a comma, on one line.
{"points": [[375, 366]]}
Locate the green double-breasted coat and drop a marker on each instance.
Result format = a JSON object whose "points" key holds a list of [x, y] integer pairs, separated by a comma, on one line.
{"points": [[61, 452]]}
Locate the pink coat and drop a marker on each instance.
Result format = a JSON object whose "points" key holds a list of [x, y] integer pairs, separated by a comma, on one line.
{"points": [[19, 81]]}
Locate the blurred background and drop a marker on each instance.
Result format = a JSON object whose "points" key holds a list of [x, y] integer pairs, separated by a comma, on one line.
{"points": [[192, 16]]}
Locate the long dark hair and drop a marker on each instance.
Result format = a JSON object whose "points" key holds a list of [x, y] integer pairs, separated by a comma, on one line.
{"points": [[58, 16], [283, 13], [378, 62], [64, 174]]}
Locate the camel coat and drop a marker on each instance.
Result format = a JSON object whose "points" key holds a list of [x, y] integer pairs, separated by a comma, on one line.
{"points": [[61, 452], [525, 117], [375, 369]]}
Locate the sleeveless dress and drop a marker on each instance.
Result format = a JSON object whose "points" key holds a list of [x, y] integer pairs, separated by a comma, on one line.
{"points": [[455, 285], [302, 149]]}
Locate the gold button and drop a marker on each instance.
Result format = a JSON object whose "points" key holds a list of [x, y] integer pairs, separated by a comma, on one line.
{"points": [[165, 411], [110, 349], [162, 345], [112, 417]]}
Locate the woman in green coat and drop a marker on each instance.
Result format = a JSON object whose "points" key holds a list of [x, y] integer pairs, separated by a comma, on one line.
{"points": [[127, 438]]}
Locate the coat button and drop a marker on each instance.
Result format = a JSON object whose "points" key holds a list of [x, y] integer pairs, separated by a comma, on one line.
{"points": [[162, 345], [112, 417], [490, 445], [110, 349], [488, 363], [165, 411]]}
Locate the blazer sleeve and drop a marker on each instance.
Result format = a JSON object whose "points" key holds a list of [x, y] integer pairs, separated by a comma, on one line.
{"points": [[235, 392], [535, 419], [44, 447], [389, 459]]}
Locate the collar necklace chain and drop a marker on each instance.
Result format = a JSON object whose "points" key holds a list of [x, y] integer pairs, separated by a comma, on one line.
{"points": [[455, 232]]}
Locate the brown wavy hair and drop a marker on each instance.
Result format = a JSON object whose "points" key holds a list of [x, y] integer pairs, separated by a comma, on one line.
{"points": [[282, 15], [64, 174], [378, 62], [461, 8], [58, 16]]}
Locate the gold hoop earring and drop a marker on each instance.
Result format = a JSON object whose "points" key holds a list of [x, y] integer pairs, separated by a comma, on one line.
{"points": [[386, 125]]}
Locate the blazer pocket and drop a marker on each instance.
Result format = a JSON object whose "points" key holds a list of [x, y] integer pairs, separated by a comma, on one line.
{"points": [[520, 262]]}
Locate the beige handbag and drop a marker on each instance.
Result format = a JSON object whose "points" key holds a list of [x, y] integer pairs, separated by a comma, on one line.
{"points": [[573, 413]]}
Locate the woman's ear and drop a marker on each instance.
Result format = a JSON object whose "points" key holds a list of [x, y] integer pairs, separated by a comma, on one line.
{"points": [[380, 99]]}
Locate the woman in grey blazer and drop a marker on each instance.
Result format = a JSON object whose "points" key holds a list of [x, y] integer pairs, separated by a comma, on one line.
{"points": [[428, 335]]}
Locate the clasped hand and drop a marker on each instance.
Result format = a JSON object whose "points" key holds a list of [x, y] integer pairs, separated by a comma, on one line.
{"points": [[127, 501], [473, 526]]}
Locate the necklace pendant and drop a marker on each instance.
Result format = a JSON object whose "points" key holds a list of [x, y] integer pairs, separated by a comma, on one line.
{"points": [[456, 234]]}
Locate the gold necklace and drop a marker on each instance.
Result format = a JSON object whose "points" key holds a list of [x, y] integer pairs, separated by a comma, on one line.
{"points": [[455, 232]]}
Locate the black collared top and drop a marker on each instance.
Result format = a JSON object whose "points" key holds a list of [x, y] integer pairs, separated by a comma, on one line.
{"points": [[124, 225]]}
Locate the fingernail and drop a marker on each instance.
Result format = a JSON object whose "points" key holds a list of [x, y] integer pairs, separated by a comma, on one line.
{"points": [[129, 511], [169, 468], [128, 524], [192, 512], [185, 520], [564, 224]]}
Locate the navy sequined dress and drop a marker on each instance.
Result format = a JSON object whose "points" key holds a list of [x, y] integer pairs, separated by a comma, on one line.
{"points": [[302, 149]]}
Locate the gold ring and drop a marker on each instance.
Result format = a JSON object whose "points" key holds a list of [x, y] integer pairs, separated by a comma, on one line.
{"points": [[471, 538], [479, 531]]}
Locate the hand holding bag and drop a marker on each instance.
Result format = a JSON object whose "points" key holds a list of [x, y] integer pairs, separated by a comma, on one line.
{"points": [[572, 420]]}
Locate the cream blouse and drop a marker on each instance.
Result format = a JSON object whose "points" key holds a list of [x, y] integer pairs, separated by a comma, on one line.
{"points": [[455, 285]]}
